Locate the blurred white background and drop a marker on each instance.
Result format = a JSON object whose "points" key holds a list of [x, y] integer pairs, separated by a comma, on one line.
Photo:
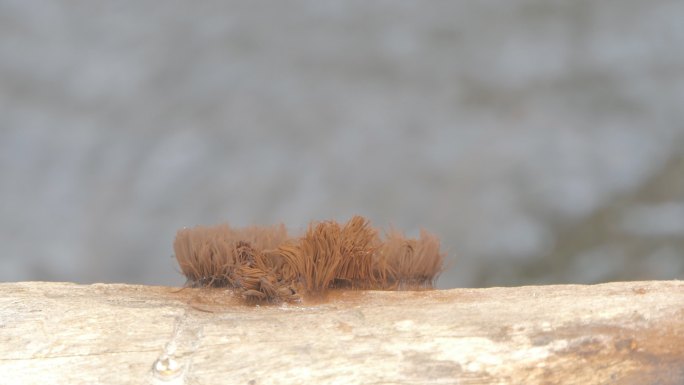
{"points": [[543, 141]]}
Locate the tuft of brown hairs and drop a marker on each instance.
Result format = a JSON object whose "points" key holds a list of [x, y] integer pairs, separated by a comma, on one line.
{"points": [[265, 264]]}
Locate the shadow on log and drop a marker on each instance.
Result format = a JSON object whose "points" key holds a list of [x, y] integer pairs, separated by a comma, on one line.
{"points": [[616, 333]]}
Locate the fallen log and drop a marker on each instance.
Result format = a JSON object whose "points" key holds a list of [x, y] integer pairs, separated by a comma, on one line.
{"points": [[617, 333]]}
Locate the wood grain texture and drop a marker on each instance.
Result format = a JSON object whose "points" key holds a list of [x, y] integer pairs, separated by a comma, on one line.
{"points": [[616, 333]]}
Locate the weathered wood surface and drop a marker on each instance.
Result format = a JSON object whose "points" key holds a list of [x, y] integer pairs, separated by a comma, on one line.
{"points": [[617, 333]]}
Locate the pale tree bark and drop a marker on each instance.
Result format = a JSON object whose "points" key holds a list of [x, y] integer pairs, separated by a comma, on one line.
{"points": [[616, 333]]}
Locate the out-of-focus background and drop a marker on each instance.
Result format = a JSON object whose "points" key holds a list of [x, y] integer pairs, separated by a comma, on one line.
{"points": [[543, 141]]}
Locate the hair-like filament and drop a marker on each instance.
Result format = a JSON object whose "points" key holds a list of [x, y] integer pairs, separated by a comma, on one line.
{"points": [[264, 264]]}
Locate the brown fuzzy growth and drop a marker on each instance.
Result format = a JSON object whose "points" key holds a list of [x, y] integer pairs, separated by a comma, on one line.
{"points": [[264, 264], [409, 263], [221, 256]]}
